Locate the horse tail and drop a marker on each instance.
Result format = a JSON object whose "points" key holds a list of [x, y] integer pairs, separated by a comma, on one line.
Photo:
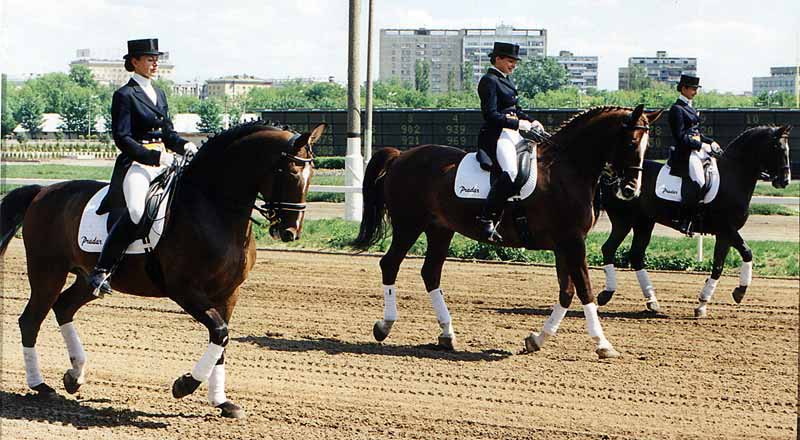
{"points": [[12, 212], [373, 224]]}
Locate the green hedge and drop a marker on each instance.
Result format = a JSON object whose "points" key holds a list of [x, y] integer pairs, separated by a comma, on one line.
{"points": [[770, 257], [329, 162]]}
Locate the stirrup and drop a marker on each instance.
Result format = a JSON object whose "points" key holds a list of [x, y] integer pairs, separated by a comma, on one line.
{"points": [[686, 228], [98, 282], [489, 230]]}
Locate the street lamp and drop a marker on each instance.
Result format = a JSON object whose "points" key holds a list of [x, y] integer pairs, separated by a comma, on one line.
{"points": [[91, 121]]}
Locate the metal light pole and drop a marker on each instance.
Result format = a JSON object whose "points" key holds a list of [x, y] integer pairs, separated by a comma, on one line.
{"points": [[368, 125], [354, 161]]}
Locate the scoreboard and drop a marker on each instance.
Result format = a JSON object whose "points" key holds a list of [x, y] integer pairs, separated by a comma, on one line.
{"points": [[405, 128]]}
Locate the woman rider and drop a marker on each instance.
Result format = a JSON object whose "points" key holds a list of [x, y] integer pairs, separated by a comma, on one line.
{"points": [[499, 135], [691, 149], [141, 129]]}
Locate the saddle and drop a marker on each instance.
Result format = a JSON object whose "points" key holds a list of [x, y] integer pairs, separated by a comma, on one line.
{"points": [[475, 171], [93, 228], [668, 185]]}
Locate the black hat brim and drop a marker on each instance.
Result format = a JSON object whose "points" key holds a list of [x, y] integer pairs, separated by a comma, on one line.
{"points": [[138, 54], [507, 55]]}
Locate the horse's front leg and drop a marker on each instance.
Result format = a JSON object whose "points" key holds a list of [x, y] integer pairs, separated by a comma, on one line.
{"points": [[721, 248], [575, 255], [211, 366], [746, 271], [535, 341]]}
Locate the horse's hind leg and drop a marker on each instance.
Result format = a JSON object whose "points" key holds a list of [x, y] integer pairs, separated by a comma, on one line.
{"points": [[620, 227], [46, 281], [438, 244], [70, 300], [642, 232], [403, 237]]}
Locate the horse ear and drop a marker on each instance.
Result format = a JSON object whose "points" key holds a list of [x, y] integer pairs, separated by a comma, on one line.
{"points": [[653, 116], [310, 138], [637, 113], [784, 130]]}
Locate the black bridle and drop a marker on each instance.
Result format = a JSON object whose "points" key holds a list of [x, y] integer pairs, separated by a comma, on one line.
{"points": [[273, 209], [609, 175]]}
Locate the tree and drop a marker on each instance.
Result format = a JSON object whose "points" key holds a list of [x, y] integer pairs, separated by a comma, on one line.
{"points": [[50, 89], [29, 113], [82, 76], [638, 79], [422, 76], [452, 84], [77, 110], [467, 76], [184, 104], [8, 123], [210, 116], [538, 75], [235, 110]]}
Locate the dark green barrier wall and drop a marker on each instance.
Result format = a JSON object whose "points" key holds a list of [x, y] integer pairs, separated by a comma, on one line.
{"points": [[406, 128]]}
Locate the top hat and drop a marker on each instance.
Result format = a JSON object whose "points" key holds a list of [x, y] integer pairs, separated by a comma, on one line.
{"points": [[147, 46], [505, 50], [689, 81]]}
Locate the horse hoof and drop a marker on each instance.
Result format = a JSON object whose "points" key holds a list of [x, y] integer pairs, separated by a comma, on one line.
{"points": [[653, 306], [71, 384], [231, 410], [446, 342], [607, 353], [184, 385], [532, 343], [604, 297], [45, 392], [738, 294], [700, 312], [381, 329]]}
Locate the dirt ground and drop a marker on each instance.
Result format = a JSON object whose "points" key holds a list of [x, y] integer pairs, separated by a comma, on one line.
{"points": [[303, 363]]}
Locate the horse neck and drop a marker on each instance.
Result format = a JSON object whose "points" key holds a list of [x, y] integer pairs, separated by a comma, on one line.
{"points": [[586, 146], [228, 180], [740, 165]]}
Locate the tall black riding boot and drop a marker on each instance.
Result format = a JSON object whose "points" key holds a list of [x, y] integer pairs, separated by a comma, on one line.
{"points": [[690, 195], [501, 190], [122, 234]]}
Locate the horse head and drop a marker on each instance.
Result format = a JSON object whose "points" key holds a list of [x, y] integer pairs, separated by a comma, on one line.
{"points": [[285, 189], [627, 155], [774, 156]]}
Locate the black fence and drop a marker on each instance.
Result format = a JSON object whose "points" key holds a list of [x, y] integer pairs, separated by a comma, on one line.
{"points": [[405, 128]]}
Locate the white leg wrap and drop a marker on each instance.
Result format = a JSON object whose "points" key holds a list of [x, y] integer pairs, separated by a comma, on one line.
{"points": [[437, 300], [708, 290], [202, 370], [746, 274], [33, 375], [389, 303], [77, 357], [593, 325], [611, 278], [552, 323], [645, 284], [216, 386]]}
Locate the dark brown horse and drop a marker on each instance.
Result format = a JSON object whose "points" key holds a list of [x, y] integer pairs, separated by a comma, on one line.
{"points": [[416, 189], [206, 253], [756, 152]]}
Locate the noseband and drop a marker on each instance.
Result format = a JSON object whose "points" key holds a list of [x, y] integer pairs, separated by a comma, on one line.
{"points": [[272, 209]]}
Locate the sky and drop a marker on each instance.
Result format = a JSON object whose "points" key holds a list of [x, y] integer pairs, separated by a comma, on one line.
{"points": [[733, 40]]}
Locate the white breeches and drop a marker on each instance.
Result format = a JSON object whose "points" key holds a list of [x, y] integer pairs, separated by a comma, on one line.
{"points": [[507, 151], [696, 160], [135, 187]]}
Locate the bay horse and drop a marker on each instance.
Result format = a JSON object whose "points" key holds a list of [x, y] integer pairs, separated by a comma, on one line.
{"points": [[205, 255], [759, 151], [416, 189]]}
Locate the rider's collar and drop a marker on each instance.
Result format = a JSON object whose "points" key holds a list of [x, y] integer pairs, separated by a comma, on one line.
{"points": [[142, 81], [499, 71], [686, 100]]}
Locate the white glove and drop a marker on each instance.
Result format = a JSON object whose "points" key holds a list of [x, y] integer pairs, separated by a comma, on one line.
{"points": [[706, 147], [166, 159], [525, 125], [189, 147], [537, 126]]}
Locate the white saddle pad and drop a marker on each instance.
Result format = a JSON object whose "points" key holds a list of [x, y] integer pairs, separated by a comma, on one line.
{"points": [[472, 182], [92, 231], [668, 187]]}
